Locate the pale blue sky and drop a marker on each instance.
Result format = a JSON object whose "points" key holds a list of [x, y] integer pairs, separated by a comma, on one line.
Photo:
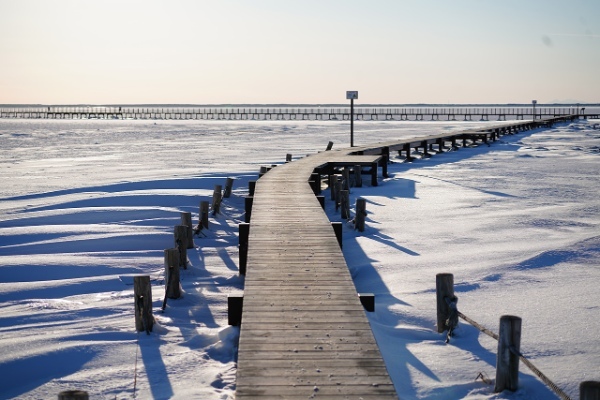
{"points": [[309, 51]]}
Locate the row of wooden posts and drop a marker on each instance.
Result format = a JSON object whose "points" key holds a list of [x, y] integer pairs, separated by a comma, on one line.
{"points": [[175, 258], [509, 343]]}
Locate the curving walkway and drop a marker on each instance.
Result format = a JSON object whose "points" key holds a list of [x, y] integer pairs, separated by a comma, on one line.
{"points": [[304, 333]]}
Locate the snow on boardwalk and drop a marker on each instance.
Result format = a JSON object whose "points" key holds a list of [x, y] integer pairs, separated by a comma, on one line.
{"points": [[304, 332]]}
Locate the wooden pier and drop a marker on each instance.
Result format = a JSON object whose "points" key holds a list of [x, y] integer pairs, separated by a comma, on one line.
{"points": [[295, 113], [304, 333]]}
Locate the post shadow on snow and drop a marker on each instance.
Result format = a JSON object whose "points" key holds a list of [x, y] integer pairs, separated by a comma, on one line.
{"points": [[171, 183], [156, 370], [23, 375]]}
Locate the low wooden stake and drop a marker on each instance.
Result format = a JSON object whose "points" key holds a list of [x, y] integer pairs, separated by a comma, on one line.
{"points": [[251, 188], [228, 188], [204, 210], [361, 214], [180, 239], [186, 219], [172, 281], [329, 146], [217, 197], [507, 359], [288, 158], [444, 288], [142, 292]]}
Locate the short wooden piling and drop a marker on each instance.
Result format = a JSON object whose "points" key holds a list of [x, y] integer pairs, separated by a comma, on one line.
{"points": [[507, 359], [263, 170], [329, 146], [332, 180], [385, 158], [251, 188], [228, 188], [361, 214], [288, 158], [186, 219], [204, 210], [315, 182], [346, 179], [142, 292], [217, 197], [357, 176], [73, 395], [180, 238], [589, 390], [244, 232], [248, 200], [172, 281], [374, 174], [337, 229], [444, 288], [345, 204], [235, 304], [368, 301], [337, 190], [321, 201]]}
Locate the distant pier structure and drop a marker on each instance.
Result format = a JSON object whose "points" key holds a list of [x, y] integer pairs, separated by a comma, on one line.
{"points": [[311, 113]]}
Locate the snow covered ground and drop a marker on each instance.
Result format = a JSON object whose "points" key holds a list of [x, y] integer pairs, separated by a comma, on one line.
{"points": [[85, 205]]}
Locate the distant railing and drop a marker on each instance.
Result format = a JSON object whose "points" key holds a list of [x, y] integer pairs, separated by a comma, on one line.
{"points": [[291, 113]]}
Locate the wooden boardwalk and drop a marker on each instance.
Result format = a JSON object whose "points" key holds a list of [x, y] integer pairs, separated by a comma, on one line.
{"points": [[304, 333]]}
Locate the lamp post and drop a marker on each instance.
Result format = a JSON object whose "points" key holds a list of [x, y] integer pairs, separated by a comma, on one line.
{"points": [[351, 95]]}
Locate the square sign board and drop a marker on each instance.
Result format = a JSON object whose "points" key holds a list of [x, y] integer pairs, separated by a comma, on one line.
{"points": [[352, 95]]}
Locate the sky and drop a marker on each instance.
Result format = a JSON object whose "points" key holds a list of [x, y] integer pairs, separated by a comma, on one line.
{"points": [[298, 52]]}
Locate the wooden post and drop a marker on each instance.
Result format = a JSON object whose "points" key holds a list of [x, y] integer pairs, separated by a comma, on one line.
{"points": [[345, 204], [361, 214], [315, 178], [385, 158], [338, 189], [507, 360], [235, 304], [186, 219], [332, 179], [337, 229], [589, 390], [142, 292], [172, 286], [228, 188], [73, 395], [368, 301], [444, 288], [251, 188], [217, 197], [357, 176], [329, 146], [244, 232], [180, 236], [263, 170], [321, 201], [203, 220], [288, 158], [248, 200], [374, 174], [346, 179]]}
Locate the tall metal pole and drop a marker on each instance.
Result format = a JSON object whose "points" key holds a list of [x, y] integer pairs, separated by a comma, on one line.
{"points": [[351, 122]]}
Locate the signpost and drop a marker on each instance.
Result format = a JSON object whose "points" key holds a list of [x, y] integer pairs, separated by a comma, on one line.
{"points": [[351, 95]]}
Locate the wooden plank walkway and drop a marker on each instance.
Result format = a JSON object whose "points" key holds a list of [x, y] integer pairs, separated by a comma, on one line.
{"points": [[304, 333]]}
